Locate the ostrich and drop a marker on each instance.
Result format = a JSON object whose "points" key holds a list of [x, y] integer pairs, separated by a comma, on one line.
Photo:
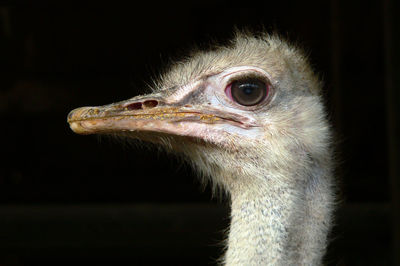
{"points": [[248, 116]]}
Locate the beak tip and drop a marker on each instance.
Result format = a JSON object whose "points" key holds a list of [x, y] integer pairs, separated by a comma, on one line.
{"points": [[74, 118], [74, 127], [77, 128], [70, 116]]}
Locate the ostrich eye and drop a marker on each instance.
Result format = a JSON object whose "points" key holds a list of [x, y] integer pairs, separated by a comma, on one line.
{"points": [[248, 92]]}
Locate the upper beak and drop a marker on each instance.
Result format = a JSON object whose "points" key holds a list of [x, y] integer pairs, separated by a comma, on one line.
{"points": [[143, 113]]}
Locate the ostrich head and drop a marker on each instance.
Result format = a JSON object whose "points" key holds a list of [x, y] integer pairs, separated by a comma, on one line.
{"points": [[250, 117]]}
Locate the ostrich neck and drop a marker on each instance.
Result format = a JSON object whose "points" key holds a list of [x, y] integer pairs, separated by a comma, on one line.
{"points": [[280, 221]]}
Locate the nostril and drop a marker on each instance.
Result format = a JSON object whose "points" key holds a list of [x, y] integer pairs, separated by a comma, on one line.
{"points": [[150, 103], [134, 106]]}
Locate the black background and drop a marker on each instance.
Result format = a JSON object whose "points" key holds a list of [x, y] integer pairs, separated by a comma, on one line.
{"points": [[58, 190]]}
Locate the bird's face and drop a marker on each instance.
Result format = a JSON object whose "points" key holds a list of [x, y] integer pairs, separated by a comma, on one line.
{"points": [[218, 109], [252, 103]]}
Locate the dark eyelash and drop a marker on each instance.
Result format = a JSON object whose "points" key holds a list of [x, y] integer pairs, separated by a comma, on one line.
{"points": [[249, 75]]}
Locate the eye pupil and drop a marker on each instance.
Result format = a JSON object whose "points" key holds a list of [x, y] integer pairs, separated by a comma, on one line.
{"points": [[249, 92], [248, 89]]}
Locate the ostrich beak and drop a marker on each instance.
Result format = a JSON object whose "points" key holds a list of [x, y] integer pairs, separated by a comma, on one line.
{"points": [[144, 113]]}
